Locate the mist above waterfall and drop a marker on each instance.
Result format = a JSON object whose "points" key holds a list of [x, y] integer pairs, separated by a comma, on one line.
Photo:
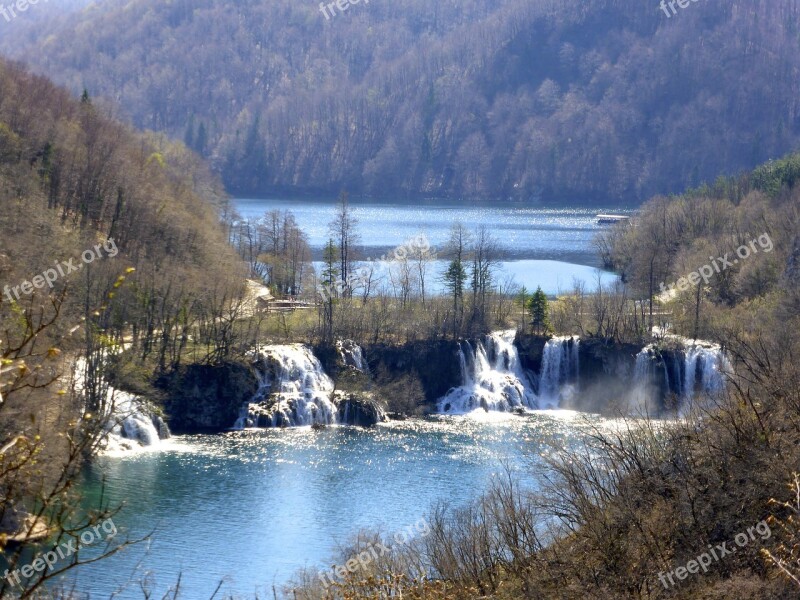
{"points": [[675, 376]]}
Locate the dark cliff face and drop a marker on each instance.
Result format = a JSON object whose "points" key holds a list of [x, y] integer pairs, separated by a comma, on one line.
{"points": [[434, 363], [606, 372], [531, 350], [203, 398], [360, 410], [405, 380], [427, 369]]}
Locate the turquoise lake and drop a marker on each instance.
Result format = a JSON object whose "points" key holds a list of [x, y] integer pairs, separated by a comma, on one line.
{"points": [[250, 508]]}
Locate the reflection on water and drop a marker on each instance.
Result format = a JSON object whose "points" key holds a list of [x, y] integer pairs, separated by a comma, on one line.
{"points": [[560, 234], [252, 507]]}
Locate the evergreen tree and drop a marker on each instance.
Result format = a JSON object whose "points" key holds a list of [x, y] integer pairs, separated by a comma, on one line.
{"points": [[188, 136], [201, 141], [455, 276], [539, 308]]}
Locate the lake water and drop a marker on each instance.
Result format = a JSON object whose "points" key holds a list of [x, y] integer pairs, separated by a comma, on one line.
{"points": [[252, 507], [547, 247]]}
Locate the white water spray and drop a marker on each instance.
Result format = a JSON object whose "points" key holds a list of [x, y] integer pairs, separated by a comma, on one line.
{"points": [[492, 378]]}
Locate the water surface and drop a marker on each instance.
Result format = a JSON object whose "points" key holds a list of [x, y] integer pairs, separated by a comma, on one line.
{"points": [[526, 232], [252, 507], [547, 247]]}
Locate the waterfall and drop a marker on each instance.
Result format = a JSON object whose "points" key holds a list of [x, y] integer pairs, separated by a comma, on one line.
{"points": [[294, 390], [352, 355], [129, 423], [649, 371], [132, 422], [491, 378], [705, 368], [693, 367], [560, 371]]}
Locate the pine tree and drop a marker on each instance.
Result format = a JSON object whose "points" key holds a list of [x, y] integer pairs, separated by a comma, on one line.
{"points": [[188, 136], [201, 141], [539, 308], [455, 276]]}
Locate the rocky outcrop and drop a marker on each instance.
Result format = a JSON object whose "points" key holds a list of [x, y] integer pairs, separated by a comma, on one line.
{"points": [[348, 408], [206, 398], [361, 410], [434, 363], [531, 351], [161, 427]]}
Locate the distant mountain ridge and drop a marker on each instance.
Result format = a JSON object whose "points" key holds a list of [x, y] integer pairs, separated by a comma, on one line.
{"points": [[527, 99]]}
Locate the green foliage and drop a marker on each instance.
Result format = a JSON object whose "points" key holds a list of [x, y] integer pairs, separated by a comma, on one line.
{"points": [[9, 144], [540, 312], [772, 177], [455, 277], [330, 260]]}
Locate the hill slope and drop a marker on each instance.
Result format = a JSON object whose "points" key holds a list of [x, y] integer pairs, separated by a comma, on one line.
{"points": [[514, 98]]}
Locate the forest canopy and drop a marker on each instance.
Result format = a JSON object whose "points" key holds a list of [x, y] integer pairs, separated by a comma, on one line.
{"points": [[523, 99]]}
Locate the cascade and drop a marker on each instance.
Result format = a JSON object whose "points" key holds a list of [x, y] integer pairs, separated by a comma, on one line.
{"points": [[352, 355], [491, 378], [560, 371], [294, 390], [705, 368], [129, 423], [696, 367]]}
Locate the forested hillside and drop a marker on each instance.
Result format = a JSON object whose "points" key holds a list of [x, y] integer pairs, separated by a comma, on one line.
{"points": [[86, 201], [570, 100], [110, 239]]}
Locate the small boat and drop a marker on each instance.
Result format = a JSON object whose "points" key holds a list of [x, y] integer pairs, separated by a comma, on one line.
{"points": [[611, 219]]}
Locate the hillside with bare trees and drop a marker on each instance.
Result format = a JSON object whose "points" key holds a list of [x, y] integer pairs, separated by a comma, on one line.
{"points": [[514, 99]]}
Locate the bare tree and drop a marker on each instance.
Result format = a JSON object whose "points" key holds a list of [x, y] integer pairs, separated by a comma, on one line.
{"points": [[343, 231]]}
